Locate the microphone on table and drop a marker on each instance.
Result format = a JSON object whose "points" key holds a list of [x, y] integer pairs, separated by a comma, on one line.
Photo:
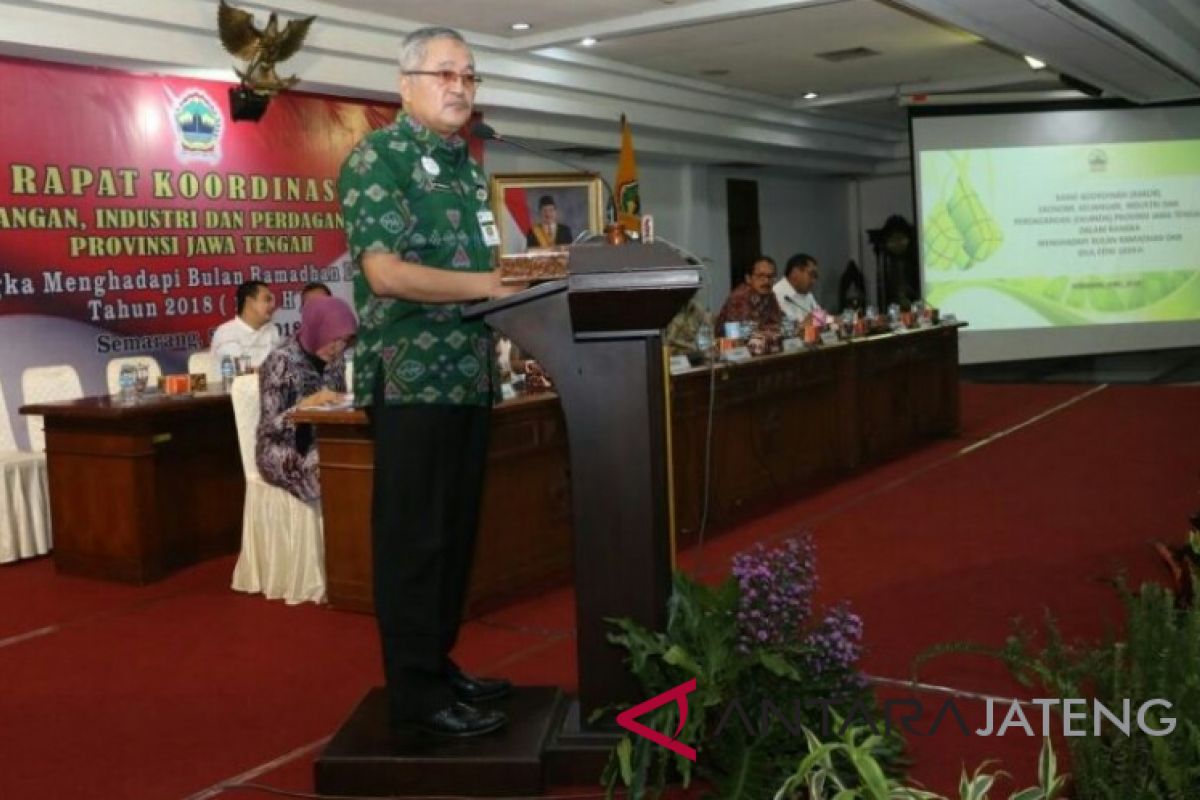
{"points": [[481, 130], [806, 312], [789, 298]]}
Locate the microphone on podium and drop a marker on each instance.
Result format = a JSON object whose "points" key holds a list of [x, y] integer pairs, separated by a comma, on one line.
{"points": [[481, 130]]}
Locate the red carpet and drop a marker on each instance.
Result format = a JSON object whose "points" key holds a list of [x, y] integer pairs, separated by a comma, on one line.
{"points": [[168, 690]]}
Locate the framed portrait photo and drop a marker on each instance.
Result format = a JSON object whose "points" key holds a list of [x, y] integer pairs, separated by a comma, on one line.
{"points": [[545, 209]]}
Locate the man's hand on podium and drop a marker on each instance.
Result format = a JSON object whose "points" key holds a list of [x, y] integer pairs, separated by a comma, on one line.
{"points": [[497, 288]]}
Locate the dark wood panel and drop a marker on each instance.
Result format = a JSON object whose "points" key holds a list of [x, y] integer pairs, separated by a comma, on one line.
{"points": [[200, 488], [777, 429], [907, 390], [346, 470], [525, 536], [140, 489], [525, 532]]}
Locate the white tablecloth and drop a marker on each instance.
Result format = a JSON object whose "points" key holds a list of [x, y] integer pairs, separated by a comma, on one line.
{"points": [[24, 506]]}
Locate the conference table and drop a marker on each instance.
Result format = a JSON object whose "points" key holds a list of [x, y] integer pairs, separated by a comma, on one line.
{"points": [[139, 489], [789, 423], [782, 425], [142, 487]]}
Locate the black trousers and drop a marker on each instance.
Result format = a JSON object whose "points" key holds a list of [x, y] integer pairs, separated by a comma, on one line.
{"points": [[429, 469]]}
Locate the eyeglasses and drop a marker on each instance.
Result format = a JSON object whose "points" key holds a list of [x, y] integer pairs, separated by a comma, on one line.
{"points": [[448, 77]]}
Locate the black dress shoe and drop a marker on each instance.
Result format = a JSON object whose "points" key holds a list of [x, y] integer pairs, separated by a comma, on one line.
{"points": [[457, 720], [478, 690]]}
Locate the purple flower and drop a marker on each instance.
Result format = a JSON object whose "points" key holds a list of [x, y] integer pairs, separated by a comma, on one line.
{"points": [[836, 643], [775, 591]]}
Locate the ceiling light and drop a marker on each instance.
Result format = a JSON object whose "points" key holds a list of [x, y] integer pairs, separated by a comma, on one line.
{"points": [[588, 41], [811, 95], [520, 26], [1035, 63]]}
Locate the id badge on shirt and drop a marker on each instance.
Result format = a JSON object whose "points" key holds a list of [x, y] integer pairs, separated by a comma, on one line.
{"points": [[487, 225]]}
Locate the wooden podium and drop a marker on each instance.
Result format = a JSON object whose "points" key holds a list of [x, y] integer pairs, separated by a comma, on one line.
{"points": [[598, 335]]}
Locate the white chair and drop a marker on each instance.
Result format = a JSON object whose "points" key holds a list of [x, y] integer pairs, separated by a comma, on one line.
{"points": [[283, 540], [112, 373], [201, 363], [24, 497], [47, 385]]}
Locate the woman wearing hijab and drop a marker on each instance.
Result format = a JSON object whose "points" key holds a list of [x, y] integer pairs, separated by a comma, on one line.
{"points": [[307, 370]]}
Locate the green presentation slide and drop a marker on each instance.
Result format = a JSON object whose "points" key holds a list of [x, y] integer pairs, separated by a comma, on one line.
{"points": [[1062, 235]]}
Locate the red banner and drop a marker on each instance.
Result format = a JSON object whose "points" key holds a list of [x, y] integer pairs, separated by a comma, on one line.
{"points": [[136, 205]]}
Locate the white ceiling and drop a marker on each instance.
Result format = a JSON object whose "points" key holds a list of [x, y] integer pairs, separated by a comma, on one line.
{"points": [[494, 17], [777, 53], [767, 48], [705, 81]]}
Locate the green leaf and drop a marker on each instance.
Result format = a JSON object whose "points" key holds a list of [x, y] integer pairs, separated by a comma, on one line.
{"points": [[907, 793], [778, 665], [676, 656], [872, 776], [979, 787], [640, 763], [625, 759], [1032, 793], [1047, 764], [737, 787], [821, 756]]}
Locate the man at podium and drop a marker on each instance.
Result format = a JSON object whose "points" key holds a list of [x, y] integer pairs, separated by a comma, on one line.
{"points": [[420, 231]]}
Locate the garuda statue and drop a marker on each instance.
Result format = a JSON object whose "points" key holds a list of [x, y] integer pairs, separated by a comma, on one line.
{"points": [[261, 49]]}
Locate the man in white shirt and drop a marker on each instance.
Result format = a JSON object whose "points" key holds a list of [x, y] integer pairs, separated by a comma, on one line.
{"points": [[794, 290], [250, 333]]}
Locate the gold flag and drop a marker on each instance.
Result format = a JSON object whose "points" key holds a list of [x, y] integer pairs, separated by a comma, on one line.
{"points": [[629, 204]]}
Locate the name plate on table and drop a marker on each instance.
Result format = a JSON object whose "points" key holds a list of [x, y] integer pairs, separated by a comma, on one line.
{"points": [[793, 345], [925, 322], [737, 354], [177, 384], [507, 392], [680, 364], [829, 337], [949, 319]]}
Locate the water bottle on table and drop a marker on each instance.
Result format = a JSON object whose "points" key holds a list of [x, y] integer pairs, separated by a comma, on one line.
{"points": [[228, 371], [127, 382], [704, 340]]}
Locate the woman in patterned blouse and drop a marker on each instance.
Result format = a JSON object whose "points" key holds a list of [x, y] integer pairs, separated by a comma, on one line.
{"points": [[306, 370]]}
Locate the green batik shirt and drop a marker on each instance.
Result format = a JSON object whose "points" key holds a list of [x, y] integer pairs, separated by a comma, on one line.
{"points": [[407, 191]]}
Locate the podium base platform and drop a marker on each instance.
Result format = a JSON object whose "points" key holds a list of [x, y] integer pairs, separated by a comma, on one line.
{"points": [[543, 744], [576, 755]]}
